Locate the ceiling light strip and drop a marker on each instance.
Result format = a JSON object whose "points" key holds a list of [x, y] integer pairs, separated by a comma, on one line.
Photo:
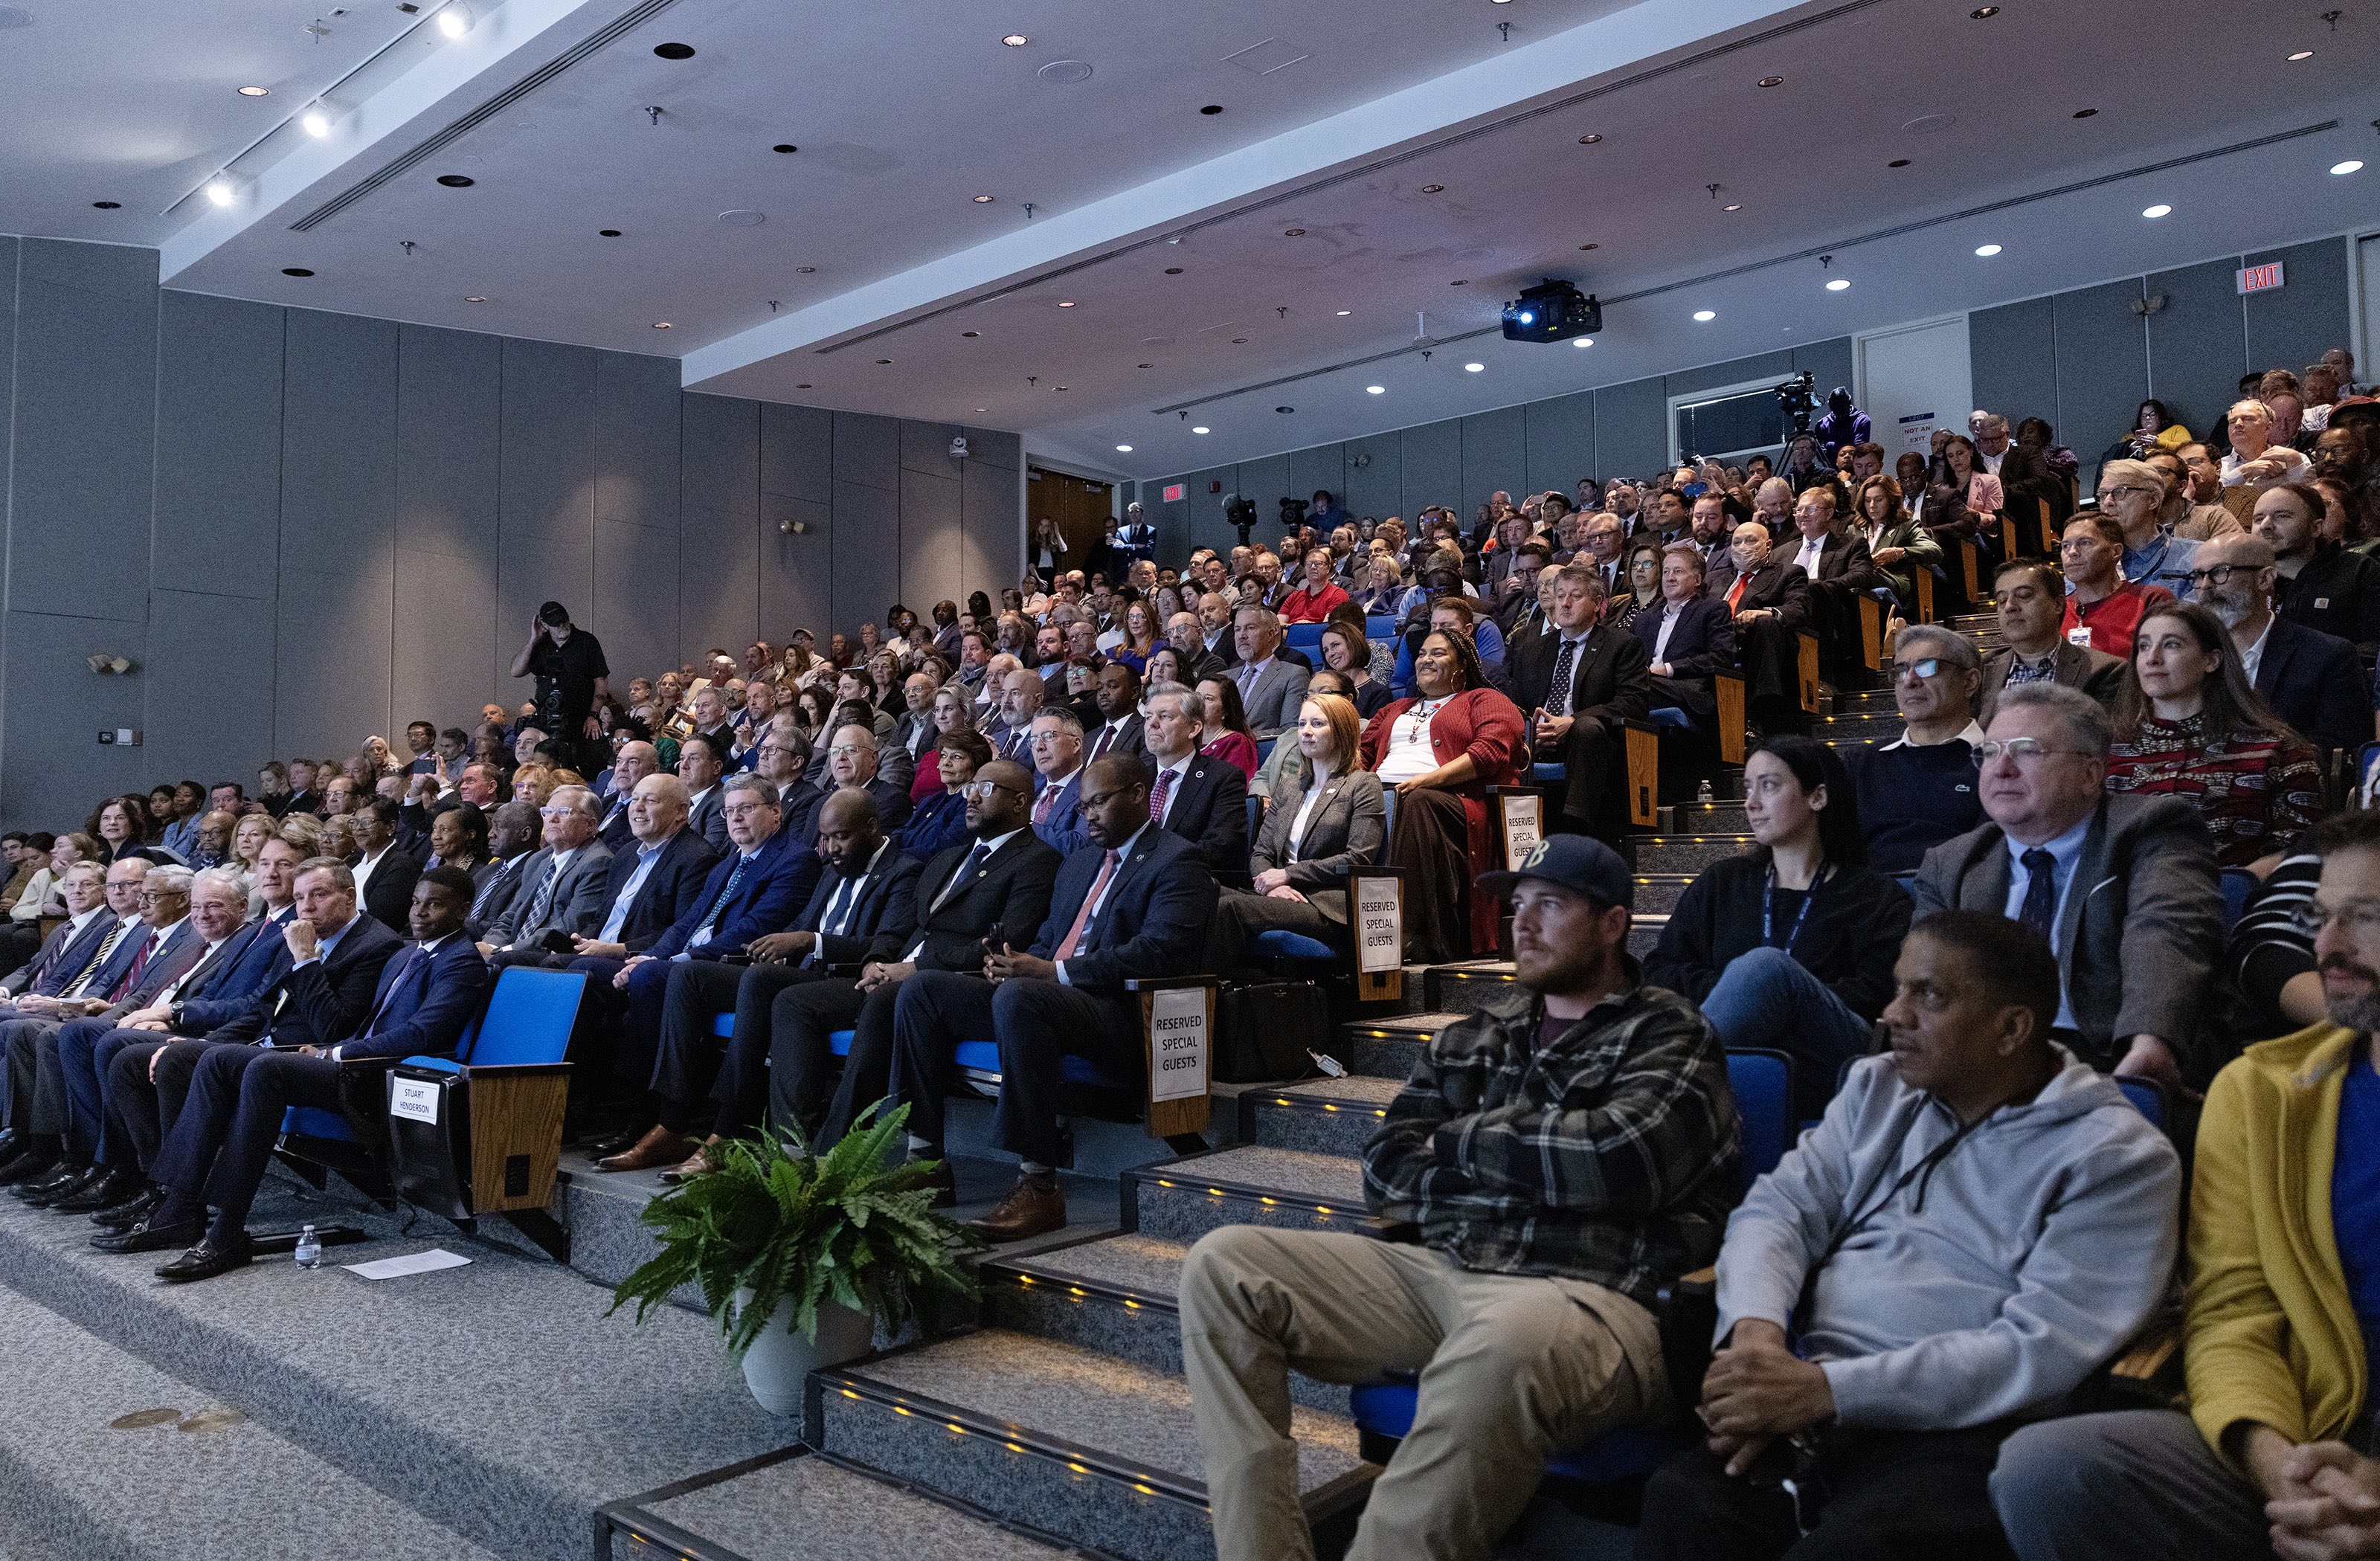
{"points": [[594, 42], [1364, 169], [1833, 248]]}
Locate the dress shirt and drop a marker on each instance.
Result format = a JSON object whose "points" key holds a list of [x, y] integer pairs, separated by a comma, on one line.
{"points": [[709, 928], [1179, 770], [836, 918], [339, 1052], [2253, 657], [1972, 735], [1248, 675], [1316, 779], [1806, 561], [324, 945], [2064, 850], [367, 867], [981, 850], [1671, 612], [645, 856], [197, 967], [1123, 855]]}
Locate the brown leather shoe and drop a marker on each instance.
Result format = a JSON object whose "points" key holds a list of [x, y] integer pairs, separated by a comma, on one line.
{"points": [[1026, 1211], [694, 1165], [945, 1183], [659, 1147]]}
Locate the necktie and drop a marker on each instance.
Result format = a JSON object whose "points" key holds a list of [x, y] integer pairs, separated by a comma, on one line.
{"points": [[838, 909], [1156, 798], [1247, 681], [1736, 592], [1099, 744], [417, 962], [1082, 917], [1565, 665], [1041, 808], [727, 892], [140, 962], [967, 870], [543, 902], [106, 947], [2040, 909], [495, 880]]}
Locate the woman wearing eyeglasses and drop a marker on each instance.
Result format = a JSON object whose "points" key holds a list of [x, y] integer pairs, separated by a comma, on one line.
{"points": [[941, 820], [2189, 724]]}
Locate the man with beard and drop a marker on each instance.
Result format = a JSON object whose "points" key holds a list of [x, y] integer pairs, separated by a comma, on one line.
{"points": [[2312, 679], [2275, 1454]]}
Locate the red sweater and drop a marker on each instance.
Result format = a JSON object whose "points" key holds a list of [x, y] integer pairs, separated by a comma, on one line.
{"points": [[2114, 618], [1305, 607]]}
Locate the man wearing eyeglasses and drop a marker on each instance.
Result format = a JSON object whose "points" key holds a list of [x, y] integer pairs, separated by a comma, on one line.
{"points": [[561, 886], [2124, 889], [2312, 679], [1919, 790], [2030, 601], [2132, 494], [2103, 608], [851, 767]]}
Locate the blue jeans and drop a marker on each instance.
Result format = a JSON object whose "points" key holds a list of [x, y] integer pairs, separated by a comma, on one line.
{"points": [[1766, 999]]}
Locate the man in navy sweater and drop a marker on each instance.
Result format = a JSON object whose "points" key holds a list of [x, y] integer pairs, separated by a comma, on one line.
{"points": [[1919, 790]]}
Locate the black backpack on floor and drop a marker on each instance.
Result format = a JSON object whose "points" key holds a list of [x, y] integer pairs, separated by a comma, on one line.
{"points": [[1262, 1032]]}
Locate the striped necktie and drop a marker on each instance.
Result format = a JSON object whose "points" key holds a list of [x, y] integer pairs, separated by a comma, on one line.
{"points": [[106, 947], [726, 893]]}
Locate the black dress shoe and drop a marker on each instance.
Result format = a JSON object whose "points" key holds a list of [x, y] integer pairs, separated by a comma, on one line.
{"points": [[149, 1237], [206, 1260], [66, 1184], [113, 1186], [28, 1165], [131, 1212]]}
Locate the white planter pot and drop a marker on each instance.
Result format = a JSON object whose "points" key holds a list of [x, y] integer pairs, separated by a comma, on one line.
{"points": [[781, 1360]]}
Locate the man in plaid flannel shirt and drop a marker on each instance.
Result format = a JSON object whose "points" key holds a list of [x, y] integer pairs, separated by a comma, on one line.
{"points": [[1563, 1152]]}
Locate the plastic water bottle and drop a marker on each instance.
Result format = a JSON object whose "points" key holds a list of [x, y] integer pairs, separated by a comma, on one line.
{"points": [[310, 1248], [1702, 794]]}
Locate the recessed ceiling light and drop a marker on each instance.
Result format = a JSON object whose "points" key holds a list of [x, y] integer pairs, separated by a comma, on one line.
{"points": [[1198, 430], [1897, 163], [1732, 206], [1584, 342], [1431, 190], [456, 181], [1376, 390], [1589, 140], [1284, 408], [256, 92], [294, 270], [476, 298], [607, 233], [315, 123], [2352, 165], [2085, 113], [1016, 40], [1772, 80], [804, 271], [983, 408], [1173, 271], [1987, 250], [983, 199], [1838, 284], [220, 192], [2301, 55], [1149, 365], [2153, 213], [1292, 232], [455, 19], [1123, 449], [1212, 108], [1065, 303], [1704, 317], [1345, 311], [675, 50], [1984, 13], [970, 332], [784, 146], [108, 205], [660, 324], [1473, 368]]}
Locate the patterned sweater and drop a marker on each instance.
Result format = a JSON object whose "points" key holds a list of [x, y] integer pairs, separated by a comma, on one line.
{"points": [[2257, 791]]}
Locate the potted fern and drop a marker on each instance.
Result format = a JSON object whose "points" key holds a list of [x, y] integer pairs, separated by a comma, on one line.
{"points": [[801, 1257]]}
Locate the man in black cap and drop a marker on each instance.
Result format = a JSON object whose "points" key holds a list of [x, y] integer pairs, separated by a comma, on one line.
{"points": [[572, 678], [1562, 1152]]}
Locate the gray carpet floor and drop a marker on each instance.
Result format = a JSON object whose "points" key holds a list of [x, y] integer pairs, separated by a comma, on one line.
{"points": [[1141, 1263], [808, 1509], [1092, 1400], [1356, 1088], [72, 1486], [1329, 1178]]}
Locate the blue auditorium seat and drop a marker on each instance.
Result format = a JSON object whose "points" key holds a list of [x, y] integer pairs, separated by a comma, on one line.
{"points": [[1282, 944], [2148, 1097], [1544, 774], [1380, 629], [1303, 636], [1669, 715], [2238, 884], [1762, 1082]]}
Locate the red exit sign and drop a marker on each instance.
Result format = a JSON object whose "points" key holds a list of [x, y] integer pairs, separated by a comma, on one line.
{"points": [[1172, 493], [2260, 279]]}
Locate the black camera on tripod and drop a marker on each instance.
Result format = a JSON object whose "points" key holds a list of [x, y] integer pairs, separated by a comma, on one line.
{"points": [[1798, 399], [1293, 514], [1240, 514]]}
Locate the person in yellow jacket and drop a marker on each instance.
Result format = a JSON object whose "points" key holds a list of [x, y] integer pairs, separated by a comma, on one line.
{"points": [[2276, 1454]]}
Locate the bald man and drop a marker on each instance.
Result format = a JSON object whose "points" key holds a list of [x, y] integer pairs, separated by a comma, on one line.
{"points": [[631, 763], [1771, 601]]}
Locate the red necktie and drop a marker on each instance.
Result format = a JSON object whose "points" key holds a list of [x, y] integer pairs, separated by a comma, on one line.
{"points": [[1736, 592], [1041, 808], [1083, 916], [1156, 798]]}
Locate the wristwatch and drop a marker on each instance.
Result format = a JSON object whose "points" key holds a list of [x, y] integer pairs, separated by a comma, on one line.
{"points": [[173, 1015]]}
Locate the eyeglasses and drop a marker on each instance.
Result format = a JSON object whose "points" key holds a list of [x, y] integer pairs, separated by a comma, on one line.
{"points": [[557, 813], [2360, 917], [2024, 751], [2216, 574], [2118, 493], [1918, 670], [845, 750], [981, 790]]}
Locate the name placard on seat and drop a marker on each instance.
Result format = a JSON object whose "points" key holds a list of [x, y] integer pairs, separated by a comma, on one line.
{"points": [[415, 1098]]}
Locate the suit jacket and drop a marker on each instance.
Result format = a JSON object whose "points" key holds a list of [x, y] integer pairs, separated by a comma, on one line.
{"points": [[577, 905], [709, 821], [2093, 672], [1349, 829], [1609, 679], [321, 1003], [173, 958], [60, 958], [1152, 924], [615, 833], [2316, 682], [422, 1003], [1008, 892], [1843, 560], [263, 961], [2337, 593], [1130, 738], [1060, 827], [2140, 929], [494, 886], [771, 890], [910, 729], [879, 921], [1224, 648], [1273, 703], [1776, 585], [1209, 809], [2026, 479], [674, 883], [388, 898], [893, 808], [1703, 642]]}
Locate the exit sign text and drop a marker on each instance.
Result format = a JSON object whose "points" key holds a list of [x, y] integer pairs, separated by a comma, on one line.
{"points": [[1172, 493], [2260, 279]]}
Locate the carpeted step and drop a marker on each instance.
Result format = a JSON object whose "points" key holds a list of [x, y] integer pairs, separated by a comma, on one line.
{"points": [[1458, 989], [496, 1396], [1322, 1116], [75, 1485], [1645, 934], [1387, 1048], [1706, 818], [807, 1507], [1098, 1450], [1867, 702], [1658, 893], [1684, 855], [1293, 1189], [1869, 728]]}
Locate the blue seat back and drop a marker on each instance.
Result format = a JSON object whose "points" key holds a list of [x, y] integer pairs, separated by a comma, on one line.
{"points": [[1256, 818], [1762, 1082], [1303, 636], [2147, 1097], [1543, 774], [529, 1018], [2238, 884], [1669, 715], [1380, 628]]}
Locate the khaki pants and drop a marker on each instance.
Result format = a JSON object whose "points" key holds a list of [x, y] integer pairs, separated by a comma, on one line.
{"points": [[1512, 1371]]}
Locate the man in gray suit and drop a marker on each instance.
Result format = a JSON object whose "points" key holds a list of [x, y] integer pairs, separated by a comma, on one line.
{"points": [[2124, 887], [562, 886], [1271, 688], [2032, 603]]}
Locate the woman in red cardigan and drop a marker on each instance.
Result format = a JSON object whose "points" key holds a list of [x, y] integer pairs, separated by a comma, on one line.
{"points": [[1441, 753]]}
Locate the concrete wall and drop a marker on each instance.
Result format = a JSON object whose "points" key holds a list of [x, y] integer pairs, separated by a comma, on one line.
{"points": [[305, 528]]}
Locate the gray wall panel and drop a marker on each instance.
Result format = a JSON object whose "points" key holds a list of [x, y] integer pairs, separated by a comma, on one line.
{"points": [[796, 571], [1495, 455], [1829, 363], [332, 651], [994, 447], [529, 571], [865, 534], [85, 428], [1561, 443], [1171, 519], [1632, 436], [1742, 370], [1433, 463], [1208, 489], [1325, 466], [57, 767], [2291, 325], [636, 439], [1376, 476], [201, 649], [1266, 482], [2103, 363], [338, 446], [636, 578], [990, 555], [933, 547], [449, 442], [797, 452], [720, 470], [2198, 349], [218, 525], [443, 638], [718, 583], [866, 450], [548, 449], [9, 250], [2014, 352], [926, 447]]}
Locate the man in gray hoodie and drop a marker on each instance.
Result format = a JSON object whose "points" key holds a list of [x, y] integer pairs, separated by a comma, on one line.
{"points": [[1976, 1225]]}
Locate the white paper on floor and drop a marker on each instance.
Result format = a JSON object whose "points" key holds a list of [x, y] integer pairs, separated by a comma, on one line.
{"points": [[429, 1262]]}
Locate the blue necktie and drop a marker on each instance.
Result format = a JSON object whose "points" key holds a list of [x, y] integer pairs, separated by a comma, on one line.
{"points": [[2039, 911], [417, 963], [718, 906]]}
